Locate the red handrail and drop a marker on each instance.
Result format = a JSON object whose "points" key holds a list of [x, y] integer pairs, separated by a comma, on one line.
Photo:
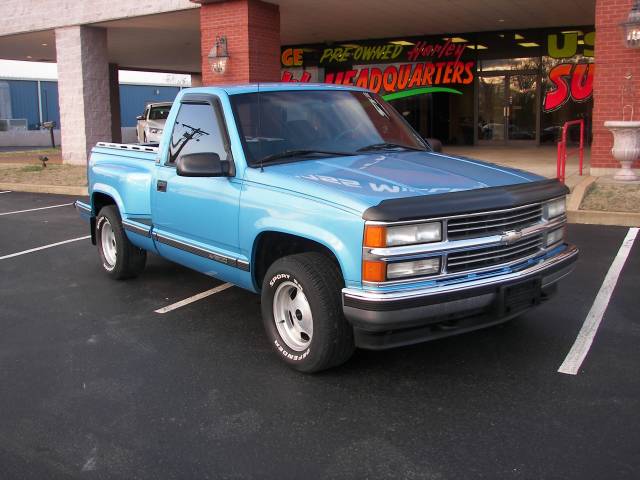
{"points": [[562, 149]]}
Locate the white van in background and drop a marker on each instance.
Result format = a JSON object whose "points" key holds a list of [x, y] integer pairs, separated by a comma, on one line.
{"points": [[151, 123]]}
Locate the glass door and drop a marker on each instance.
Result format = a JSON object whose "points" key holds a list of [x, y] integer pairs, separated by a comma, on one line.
{"points": [[522, 108], [508, 108], [492, 101]]}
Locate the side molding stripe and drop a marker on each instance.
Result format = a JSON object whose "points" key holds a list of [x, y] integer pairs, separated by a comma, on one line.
{"points": [[138, 228], [201, 252]]}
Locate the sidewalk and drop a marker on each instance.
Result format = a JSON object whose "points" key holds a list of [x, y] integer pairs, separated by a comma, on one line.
{"points": [[541, 160]]}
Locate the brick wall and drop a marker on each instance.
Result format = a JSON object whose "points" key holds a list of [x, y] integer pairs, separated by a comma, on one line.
{"points": [[613, 62], [252, 29]]}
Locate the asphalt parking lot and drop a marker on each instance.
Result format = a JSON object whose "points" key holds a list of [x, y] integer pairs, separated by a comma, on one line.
{"points": [[95, 384]]}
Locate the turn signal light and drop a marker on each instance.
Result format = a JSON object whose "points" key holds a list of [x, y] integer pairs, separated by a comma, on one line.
{"points": [[375, 236], [373, 271]]}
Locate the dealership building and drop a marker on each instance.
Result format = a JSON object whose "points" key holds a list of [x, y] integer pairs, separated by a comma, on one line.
{"points": [[508, 72]]}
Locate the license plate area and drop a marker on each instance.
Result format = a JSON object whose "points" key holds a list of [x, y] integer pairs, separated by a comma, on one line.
{"points": [[520, 296]]}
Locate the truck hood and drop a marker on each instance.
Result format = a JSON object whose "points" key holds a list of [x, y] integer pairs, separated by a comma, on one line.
{"points": [[359, 182]]}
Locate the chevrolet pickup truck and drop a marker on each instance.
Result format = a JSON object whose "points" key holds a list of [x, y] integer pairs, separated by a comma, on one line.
{"points": [[323, 200]]}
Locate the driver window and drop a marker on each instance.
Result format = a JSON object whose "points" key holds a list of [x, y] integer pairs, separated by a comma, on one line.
{"points": [[196, 130]]}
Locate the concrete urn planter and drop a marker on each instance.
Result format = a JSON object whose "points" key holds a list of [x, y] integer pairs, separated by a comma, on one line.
{"points": [[626, 146]]}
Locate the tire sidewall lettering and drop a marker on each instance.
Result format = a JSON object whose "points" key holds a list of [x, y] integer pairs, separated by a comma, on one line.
{"points": [[279, 276], [291, 356]]}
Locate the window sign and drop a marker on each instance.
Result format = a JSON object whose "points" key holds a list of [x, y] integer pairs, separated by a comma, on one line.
{"points": [[570, 74], [395, 69], [432, 80]]}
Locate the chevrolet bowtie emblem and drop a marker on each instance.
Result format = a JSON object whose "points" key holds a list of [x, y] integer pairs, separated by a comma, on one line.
{"points": [[511, 236]]}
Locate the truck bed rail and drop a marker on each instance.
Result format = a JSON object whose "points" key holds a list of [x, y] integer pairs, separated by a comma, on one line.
{"points": [[128, 146]]}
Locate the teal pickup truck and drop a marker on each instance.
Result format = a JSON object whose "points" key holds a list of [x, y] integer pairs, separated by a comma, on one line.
{"points": [[324, 201]]}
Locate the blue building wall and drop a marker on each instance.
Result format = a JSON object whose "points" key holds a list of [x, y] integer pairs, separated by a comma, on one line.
{"points": [[50, 110], [133, 99], [24, 101]]}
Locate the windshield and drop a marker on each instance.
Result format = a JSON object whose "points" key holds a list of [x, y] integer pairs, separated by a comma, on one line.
{"points": [[294, 124], [160, 112]]}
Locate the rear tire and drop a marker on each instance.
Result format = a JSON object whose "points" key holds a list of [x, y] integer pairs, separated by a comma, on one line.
{"points": [[120, 258], [302, 312]]}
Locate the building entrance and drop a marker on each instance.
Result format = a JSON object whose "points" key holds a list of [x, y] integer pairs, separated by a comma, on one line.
{"points": [[508, 108]]}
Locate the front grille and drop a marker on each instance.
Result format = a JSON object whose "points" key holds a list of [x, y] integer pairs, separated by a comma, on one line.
{"points": [[480, 258], [493, 223]]}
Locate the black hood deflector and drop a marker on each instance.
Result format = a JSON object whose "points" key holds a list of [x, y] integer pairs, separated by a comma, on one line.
{"points": [[467, 201]]}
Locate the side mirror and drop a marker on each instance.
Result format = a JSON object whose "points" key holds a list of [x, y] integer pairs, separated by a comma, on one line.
{"points": [[140, 117], [202, 165]]}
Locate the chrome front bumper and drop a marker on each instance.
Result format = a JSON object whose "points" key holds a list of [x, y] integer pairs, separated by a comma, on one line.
{"points": [[376, 312]]}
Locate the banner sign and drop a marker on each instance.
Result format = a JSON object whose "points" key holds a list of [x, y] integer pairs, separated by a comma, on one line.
{"points": [[389, 68], [404, 76]]}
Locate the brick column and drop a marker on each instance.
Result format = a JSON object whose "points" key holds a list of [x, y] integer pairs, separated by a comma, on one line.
{"points": [[613, 62], [83, 88], [252, 29]]}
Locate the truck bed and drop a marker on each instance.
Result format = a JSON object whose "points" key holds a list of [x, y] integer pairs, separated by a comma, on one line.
{"points": [[124, 171]]}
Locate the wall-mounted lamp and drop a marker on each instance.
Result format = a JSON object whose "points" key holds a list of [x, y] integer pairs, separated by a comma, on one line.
{"points": [[218, 56], [632, 26]]}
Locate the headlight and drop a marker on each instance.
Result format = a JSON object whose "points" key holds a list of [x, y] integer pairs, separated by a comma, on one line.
{"points": [[554, 237], [418, 268], [155, 131], [380, 236], [555, 208]]}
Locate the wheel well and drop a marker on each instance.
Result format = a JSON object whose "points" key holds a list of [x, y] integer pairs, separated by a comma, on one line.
{"points": [[272, 246], [100, 200]]}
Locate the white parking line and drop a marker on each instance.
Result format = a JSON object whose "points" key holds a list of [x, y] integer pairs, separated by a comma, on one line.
{"points": [[6, 191], [31, 250], [194, 298], [581, 346], [34, 209]]}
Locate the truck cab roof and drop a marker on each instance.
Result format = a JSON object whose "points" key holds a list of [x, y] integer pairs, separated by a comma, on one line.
{"points": [[239, 88]]}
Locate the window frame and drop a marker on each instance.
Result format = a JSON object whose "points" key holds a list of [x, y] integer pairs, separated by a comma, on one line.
{"points": [[214, 102]]}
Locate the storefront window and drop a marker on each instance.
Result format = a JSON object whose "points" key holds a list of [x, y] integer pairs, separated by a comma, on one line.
{"points": [[468, 87], [502, 64], [568, 95]]}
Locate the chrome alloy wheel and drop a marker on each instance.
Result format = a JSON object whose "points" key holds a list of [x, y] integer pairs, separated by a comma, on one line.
{"points": [[108, 242], [292, 314]]}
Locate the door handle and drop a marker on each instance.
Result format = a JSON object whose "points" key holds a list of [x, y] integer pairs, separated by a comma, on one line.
{"points": [[161, 186]]}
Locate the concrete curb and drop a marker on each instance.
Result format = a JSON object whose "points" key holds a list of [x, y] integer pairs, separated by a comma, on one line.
{"points": [[578, 192], [596, 217], [35, 188]]}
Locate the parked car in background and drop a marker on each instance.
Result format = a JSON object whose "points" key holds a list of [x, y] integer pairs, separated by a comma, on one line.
{"points": [[151, 123]]}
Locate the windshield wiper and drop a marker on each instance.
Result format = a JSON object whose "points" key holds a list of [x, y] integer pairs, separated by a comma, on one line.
{"points": [[302, 153], [388, 146]]}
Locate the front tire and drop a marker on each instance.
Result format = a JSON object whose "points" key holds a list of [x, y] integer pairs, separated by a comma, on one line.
{"points": [[302, 312], [120, 258]]}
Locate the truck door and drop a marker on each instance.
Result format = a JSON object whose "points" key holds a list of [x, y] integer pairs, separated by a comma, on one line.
{"points": [[196, 219]]}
